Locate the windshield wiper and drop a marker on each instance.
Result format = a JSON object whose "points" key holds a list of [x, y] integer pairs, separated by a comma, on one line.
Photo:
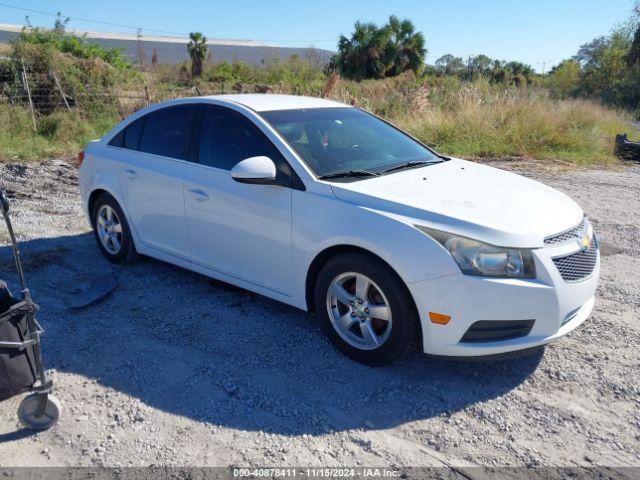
{"points": [[349, 173], [412, 163]]}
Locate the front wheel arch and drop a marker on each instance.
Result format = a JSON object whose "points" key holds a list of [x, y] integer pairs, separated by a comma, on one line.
{"points": [[406, 332], [324, 256]]}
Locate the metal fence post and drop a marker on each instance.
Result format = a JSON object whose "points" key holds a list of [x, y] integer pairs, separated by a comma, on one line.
{"points": [[26, 86], [59, 87]]}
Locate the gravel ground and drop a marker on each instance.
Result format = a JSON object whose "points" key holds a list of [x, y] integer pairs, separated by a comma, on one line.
{"points": [[175, 369]]}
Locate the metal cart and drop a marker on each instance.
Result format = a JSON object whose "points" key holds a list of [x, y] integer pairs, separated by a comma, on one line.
{"points": [[21, 363]]}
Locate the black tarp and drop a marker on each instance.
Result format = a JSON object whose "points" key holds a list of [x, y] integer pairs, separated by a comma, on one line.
{"points": [[17, 367], [625, 149]]}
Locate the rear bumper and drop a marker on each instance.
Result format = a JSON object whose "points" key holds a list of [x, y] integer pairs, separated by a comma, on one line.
{"points": [[556, 306]]}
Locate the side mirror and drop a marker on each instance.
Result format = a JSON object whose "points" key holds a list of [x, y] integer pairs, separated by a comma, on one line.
{"points": [[256, 170], [4, 201]]}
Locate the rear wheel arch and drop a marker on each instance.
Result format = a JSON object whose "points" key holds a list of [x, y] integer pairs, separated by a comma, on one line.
{"points": [[93, 197], [128, 252], [95, 194]]}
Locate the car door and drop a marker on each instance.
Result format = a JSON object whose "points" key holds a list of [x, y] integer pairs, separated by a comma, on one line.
{"points": [[152, 177], [242, 230]]}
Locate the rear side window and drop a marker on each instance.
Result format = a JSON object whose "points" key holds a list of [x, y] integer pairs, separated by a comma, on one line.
{"points": [[166, 132], [227, 137], [132, 135], [129, 137], [118, 139]]}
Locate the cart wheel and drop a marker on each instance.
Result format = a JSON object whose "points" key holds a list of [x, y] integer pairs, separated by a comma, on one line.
{"points": [[29, 407]]}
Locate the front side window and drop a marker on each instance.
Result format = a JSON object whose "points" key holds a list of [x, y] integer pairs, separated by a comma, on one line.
{"points": [[335, 140], [167, 131], [227, 137]]}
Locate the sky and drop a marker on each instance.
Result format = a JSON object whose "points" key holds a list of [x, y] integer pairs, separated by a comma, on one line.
{"points": [[538, 32]]}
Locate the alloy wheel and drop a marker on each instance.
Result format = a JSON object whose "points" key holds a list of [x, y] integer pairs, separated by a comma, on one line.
{"points": [[109, 229], [359, 311]]}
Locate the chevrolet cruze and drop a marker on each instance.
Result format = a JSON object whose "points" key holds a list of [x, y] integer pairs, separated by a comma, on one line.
{"points": [[330, 209]]}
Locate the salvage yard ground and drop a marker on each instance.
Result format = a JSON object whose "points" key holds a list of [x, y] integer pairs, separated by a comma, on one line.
{"points": [[174, 369]]}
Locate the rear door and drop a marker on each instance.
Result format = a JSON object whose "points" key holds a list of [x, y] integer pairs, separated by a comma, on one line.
{"points": [[238, 229], [156, 148]]}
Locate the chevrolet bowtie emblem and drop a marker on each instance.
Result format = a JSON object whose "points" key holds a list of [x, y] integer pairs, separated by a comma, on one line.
{"points": [[585, 242]]}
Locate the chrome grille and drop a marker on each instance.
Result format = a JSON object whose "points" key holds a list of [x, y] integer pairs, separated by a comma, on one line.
{"points": [[579, 265], [574, 234]]}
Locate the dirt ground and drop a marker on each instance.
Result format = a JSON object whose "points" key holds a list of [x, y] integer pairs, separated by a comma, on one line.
{"points": [[175, 369]]}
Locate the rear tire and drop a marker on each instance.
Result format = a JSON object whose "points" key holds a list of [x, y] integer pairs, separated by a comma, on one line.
{"points": [[366, 309], [111, 230]]}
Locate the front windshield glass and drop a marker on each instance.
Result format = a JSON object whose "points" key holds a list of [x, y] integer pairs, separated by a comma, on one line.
{"points": [[343, 139]]}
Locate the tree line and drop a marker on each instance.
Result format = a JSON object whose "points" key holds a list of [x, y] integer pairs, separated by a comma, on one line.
{"points": [[374, 51], [499, 71], [607, 68]]}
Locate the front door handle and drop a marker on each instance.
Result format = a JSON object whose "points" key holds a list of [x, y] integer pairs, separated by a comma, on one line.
{"points": [[199, 195], [130, 173]]}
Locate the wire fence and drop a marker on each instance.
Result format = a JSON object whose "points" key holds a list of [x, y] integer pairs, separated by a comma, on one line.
{"points": [[43, 91]]}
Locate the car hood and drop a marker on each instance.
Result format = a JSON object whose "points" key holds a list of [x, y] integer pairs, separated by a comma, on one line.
{"points": [[468, 199]]}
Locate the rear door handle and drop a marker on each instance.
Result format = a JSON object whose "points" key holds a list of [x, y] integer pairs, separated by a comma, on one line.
{"points": [[130, 173], [199, 195]]}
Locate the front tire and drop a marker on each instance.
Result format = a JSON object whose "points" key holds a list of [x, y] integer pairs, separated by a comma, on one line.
{"points": [[111, 230], [365, 309]]}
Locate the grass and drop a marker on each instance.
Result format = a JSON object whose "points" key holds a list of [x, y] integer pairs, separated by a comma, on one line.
{"points": [[61, 134], [468, 119], [519, 123]]}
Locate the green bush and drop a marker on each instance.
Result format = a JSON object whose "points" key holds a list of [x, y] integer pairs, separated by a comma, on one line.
{"points": [[58, 39]]}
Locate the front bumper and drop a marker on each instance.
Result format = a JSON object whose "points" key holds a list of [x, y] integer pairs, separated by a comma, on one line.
{"points": [[557, 306]]}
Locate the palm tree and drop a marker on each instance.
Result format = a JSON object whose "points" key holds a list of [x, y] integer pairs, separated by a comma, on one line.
{"points": [[197, 48], [374, 52], [406, 48], [364, 54]]}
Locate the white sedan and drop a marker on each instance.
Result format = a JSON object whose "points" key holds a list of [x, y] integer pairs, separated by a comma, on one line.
{"points": [[330, 209]]}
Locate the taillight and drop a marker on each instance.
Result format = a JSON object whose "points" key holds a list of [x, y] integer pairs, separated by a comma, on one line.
{"points": [[80, 157]]}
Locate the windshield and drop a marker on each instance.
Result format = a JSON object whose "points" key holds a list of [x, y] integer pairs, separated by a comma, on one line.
{"points": [[337, 140]]}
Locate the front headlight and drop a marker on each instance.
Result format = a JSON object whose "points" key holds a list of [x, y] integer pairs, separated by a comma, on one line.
{"points": [[478, 258]]}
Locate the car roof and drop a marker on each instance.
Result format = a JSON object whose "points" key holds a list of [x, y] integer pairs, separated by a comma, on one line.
{"points": [[264, 102]]}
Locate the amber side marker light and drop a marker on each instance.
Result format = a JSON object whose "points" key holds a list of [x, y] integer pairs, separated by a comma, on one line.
{"points": [[439, 318], [80, 157]]}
